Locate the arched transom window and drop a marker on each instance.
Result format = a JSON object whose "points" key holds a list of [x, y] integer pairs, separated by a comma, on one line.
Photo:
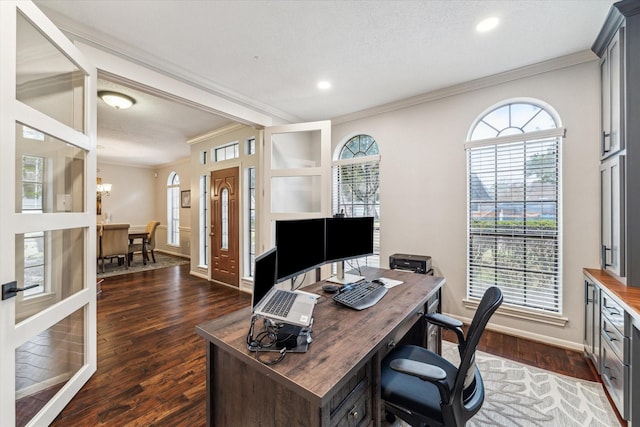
{"points": [[513, 160]]}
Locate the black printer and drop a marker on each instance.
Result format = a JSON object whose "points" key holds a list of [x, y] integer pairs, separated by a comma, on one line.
{"points": [[416, 263]]}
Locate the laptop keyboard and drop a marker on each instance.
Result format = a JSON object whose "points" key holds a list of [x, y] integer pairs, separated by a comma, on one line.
{"points": [[360, 295], [280, 303]]}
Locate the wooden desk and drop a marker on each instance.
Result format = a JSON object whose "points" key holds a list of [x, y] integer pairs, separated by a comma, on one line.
{"points": [[335, 381]]}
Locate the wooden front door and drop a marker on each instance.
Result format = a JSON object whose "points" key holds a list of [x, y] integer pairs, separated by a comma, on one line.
{"points": [[225, 226]]}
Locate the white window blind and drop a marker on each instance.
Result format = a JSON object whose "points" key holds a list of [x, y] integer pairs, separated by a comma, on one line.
{"points": [[513, 216], [356, 184]]}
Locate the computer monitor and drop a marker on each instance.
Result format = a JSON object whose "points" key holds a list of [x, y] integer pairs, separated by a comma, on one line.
{"points": [[300, 244], [264, 275], [348, 238]]}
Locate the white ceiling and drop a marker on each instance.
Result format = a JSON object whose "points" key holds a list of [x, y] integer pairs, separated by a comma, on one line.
{"points": [[270, 54]]}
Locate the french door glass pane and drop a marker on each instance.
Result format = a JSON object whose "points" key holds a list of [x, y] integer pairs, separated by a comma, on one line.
{"points": [[50, 173], [52, 262], [46, 79], [46, 362]]}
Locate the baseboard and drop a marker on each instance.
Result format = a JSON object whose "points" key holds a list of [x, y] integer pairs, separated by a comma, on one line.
{"points": [[164, 251], [544, 339]]}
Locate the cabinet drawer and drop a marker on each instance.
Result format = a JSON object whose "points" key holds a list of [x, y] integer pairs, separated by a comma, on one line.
{"points": [[613, 311], [612, 336], [613, 376]]}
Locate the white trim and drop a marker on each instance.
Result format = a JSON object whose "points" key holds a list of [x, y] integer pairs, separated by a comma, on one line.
{"points": [[215, 133], [522, 313], [521, 137], [356, 160]]}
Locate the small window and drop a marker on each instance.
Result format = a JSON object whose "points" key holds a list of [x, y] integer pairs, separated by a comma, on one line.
{"points": [[227, 152], [173, 209], [251, 146]]}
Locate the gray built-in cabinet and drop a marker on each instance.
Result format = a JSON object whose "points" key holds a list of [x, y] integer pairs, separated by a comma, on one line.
{"points": [[612, 294], [618, 46]]}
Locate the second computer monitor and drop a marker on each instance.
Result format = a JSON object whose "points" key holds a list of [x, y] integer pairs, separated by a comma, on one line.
{"points": [[348, 238]]}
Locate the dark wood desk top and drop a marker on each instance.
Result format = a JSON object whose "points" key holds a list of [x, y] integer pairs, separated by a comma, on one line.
{"points": [[343, 339]]}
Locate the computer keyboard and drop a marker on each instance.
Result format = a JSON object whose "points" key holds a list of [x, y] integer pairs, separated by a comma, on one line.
{"points": [[280, 303], [361, 295]]}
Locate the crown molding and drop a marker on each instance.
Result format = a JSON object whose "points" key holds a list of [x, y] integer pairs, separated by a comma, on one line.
{"points": [[485, 82], [218, 132]]}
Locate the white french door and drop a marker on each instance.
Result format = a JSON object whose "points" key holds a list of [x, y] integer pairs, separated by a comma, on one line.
{"points": [[47, 217]]}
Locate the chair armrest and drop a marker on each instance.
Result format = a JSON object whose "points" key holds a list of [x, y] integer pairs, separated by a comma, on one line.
{"points": [[421, 370], [449, 323], [442, 320], [425, 372]]}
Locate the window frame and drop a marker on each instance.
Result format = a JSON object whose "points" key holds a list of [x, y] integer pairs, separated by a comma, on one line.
{"points": [[548, 312], [347, 156], [173, 209]]}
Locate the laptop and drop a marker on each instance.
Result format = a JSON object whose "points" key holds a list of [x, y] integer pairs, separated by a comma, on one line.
{"points": [[267, 299]]}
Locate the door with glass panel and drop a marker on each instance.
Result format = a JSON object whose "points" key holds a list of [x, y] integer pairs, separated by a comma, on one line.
{"points": [[47, 217], [225, 226]]}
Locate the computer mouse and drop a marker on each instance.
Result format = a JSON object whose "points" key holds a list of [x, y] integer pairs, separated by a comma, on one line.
{"points": [[329, 288]]}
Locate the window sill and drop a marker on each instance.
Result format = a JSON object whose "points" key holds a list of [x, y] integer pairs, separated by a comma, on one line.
{"points": [[522, 313]]}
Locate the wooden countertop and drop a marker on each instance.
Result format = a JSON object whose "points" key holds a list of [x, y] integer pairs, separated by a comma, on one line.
{"points": [[627, 296], [343, 339]]}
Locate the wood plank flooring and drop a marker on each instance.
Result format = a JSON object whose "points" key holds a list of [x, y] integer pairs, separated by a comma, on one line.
{"points": [[151, 362]]}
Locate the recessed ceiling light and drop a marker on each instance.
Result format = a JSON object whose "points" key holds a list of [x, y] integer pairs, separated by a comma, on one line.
{"points": [[324, 85], [487, 24]]}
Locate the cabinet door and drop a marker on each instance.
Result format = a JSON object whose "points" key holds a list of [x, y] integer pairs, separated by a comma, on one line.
{"points": [[591, 322], [612, 215], [611, 70]]}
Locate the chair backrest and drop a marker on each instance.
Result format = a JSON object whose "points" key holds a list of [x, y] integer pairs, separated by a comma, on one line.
{"points": [[115, 239], [151, 233], [464, 383]]}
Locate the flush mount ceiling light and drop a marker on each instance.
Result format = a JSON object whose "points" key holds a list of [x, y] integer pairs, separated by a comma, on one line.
{"points": [[487, 24], [119, 101]]}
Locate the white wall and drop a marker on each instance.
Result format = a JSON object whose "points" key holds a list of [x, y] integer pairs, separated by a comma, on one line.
{"points": [[423, 185], [133, 195]]}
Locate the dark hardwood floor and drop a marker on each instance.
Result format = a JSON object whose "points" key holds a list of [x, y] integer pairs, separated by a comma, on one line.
{"points": [[151, 362]]}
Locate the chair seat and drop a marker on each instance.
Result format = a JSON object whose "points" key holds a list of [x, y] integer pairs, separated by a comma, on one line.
{"points": [[411, 392]]}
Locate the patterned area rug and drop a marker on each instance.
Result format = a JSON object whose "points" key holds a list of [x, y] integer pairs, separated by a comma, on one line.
{"points": [[162, 260], [522, 395]]}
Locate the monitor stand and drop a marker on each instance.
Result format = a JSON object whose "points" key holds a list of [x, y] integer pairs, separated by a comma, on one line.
{"points": [[343, 278]]}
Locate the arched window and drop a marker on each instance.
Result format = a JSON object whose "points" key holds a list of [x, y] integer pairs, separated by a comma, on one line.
{"points": [[356, 185], [513, 163], [173, 209]]}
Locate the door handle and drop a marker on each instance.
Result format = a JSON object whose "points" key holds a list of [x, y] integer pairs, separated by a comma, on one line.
{"points": [[11, 289]]}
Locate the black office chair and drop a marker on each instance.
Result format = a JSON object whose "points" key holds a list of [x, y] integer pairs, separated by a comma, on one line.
{"points": [[422, 388]]}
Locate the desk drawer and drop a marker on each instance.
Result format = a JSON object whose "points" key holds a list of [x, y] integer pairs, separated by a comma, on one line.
{"points": [[355, 409]]}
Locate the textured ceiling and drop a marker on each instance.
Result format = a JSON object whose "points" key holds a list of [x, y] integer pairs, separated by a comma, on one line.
{"points": [[270, 54]]}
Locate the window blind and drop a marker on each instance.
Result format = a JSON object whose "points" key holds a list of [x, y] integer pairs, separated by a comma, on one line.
{"points": [[513, 216], [355, 193]]}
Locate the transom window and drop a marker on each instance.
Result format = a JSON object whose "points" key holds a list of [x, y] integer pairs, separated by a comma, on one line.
{"points": [[227, 152], [356, 186], [513, 206]]}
